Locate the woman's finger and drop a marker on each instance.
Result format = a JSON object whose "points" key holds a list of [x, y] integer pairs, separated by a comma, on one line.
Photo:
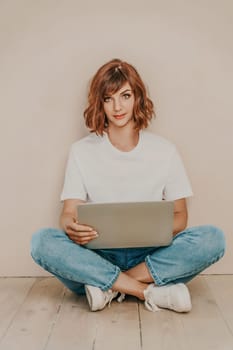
{"points": [[80, 242], [80, 227], [82, 235]]}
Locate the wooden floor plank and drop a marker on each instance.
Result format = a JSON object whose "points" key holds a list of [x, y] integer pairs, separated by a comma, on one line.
{"points": [[222, 289], [119, 327], [75, 327], [113, 328], [202, 328], [40, 314], [162, 328], [34, 320], [13, 291]]}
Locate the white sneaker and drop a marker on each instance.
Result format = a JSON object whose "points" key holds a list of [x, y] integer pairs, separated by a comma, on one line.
{"points": [[173, 296], [97, 299]]}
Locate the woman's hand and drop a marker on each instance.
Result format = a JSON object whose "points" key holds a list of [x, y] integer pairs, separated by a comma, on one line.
{"points": [[78, 233]]}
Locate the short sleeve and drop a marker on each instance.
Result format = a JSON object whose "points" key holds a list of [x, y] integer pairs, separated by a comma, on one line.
{"points": [[74, 187], [177, 185]]}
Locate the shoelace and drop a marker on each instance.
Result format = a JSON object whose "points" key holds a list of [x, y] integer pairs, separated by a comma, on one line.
{"points": [[151, 306], [121, 298], [113, 295]]}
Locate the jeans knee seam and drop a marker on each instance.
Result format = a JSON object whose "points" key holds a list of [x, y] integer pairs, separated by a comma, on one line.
{"points": [[160, 281], [67, 276]]}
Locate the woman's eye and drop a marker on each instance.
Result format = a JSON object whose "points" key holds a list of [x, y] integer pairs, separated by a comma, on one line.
{"points": [[107, 99], [126, 96]]}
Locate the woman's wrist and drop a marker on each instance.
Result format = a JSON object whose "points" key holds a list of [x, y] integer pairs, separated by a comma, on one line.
{"points": [[65, 219]]}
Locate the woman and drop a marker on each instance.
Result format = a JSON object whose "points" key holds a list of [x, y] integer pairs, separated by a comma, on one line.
{"points": [[120, 162]]}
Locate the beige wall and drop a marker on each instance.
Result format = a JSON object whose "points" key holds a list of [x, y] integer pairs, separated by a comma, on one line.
{"points": [[48, 52]]}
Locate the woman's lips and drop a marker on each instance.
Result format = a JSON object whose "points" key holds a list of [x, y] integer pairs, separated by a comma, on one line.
{"points": [[119, 116]]}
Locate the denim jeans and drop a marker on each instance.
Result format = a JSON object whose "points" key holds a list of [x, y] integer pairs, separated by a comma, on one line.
{"points": [[191, 251]]}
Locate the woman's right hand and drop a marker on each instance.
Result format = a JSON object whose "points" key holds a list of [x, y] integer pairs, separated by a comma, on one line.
{"points": [[78, 233]]}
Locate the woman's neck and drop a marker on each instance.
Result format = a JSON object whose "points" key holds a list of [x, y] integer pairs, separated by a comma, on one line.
{"points": [[125, 139]]}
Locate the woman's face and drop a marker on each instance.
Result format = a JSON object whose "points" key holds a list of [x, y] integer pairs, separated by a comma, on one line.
{"points": [[119, 106]]}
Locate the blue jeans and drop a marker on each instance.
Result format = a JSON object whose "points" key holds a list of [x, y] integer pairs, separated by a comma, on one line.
{"points": [[191, 251]]}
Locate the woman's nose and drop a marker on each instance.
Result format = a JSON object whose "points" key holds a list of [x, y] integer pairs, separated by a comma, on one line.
{"points": [[117, 105]]}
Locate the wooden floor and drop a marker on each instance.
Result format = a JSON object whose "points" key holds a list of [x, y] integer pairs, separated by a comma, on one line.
{"points": [[39, 313]]}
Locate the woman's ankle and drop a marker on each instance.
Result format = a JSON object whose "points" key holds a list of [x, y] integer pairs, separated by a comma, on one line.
{"points": [[128, 285]]}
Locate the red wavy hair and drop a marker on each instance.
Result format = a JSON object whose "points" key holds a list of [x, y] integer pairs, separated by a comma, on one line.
{"points": [[108, 80]]}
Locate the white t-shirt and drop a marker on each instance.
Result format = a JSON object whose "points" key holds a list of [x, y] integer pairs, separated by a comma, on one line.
{"points": [[99, 172]]}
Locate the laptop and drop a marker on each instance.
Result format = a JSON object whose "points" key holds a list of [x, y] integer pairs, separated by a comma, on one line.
{"points": [[128, 224]]}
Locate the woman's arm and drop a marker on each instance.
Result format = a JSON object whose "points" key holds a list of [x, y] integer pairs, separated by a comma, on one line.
{"points": [[69, 211], [180, 216], [78, 233]]}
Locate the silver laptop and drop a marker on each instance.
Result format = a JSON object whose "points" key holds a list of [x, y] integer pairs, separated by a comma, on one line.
{"points": [[128, 225]]}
